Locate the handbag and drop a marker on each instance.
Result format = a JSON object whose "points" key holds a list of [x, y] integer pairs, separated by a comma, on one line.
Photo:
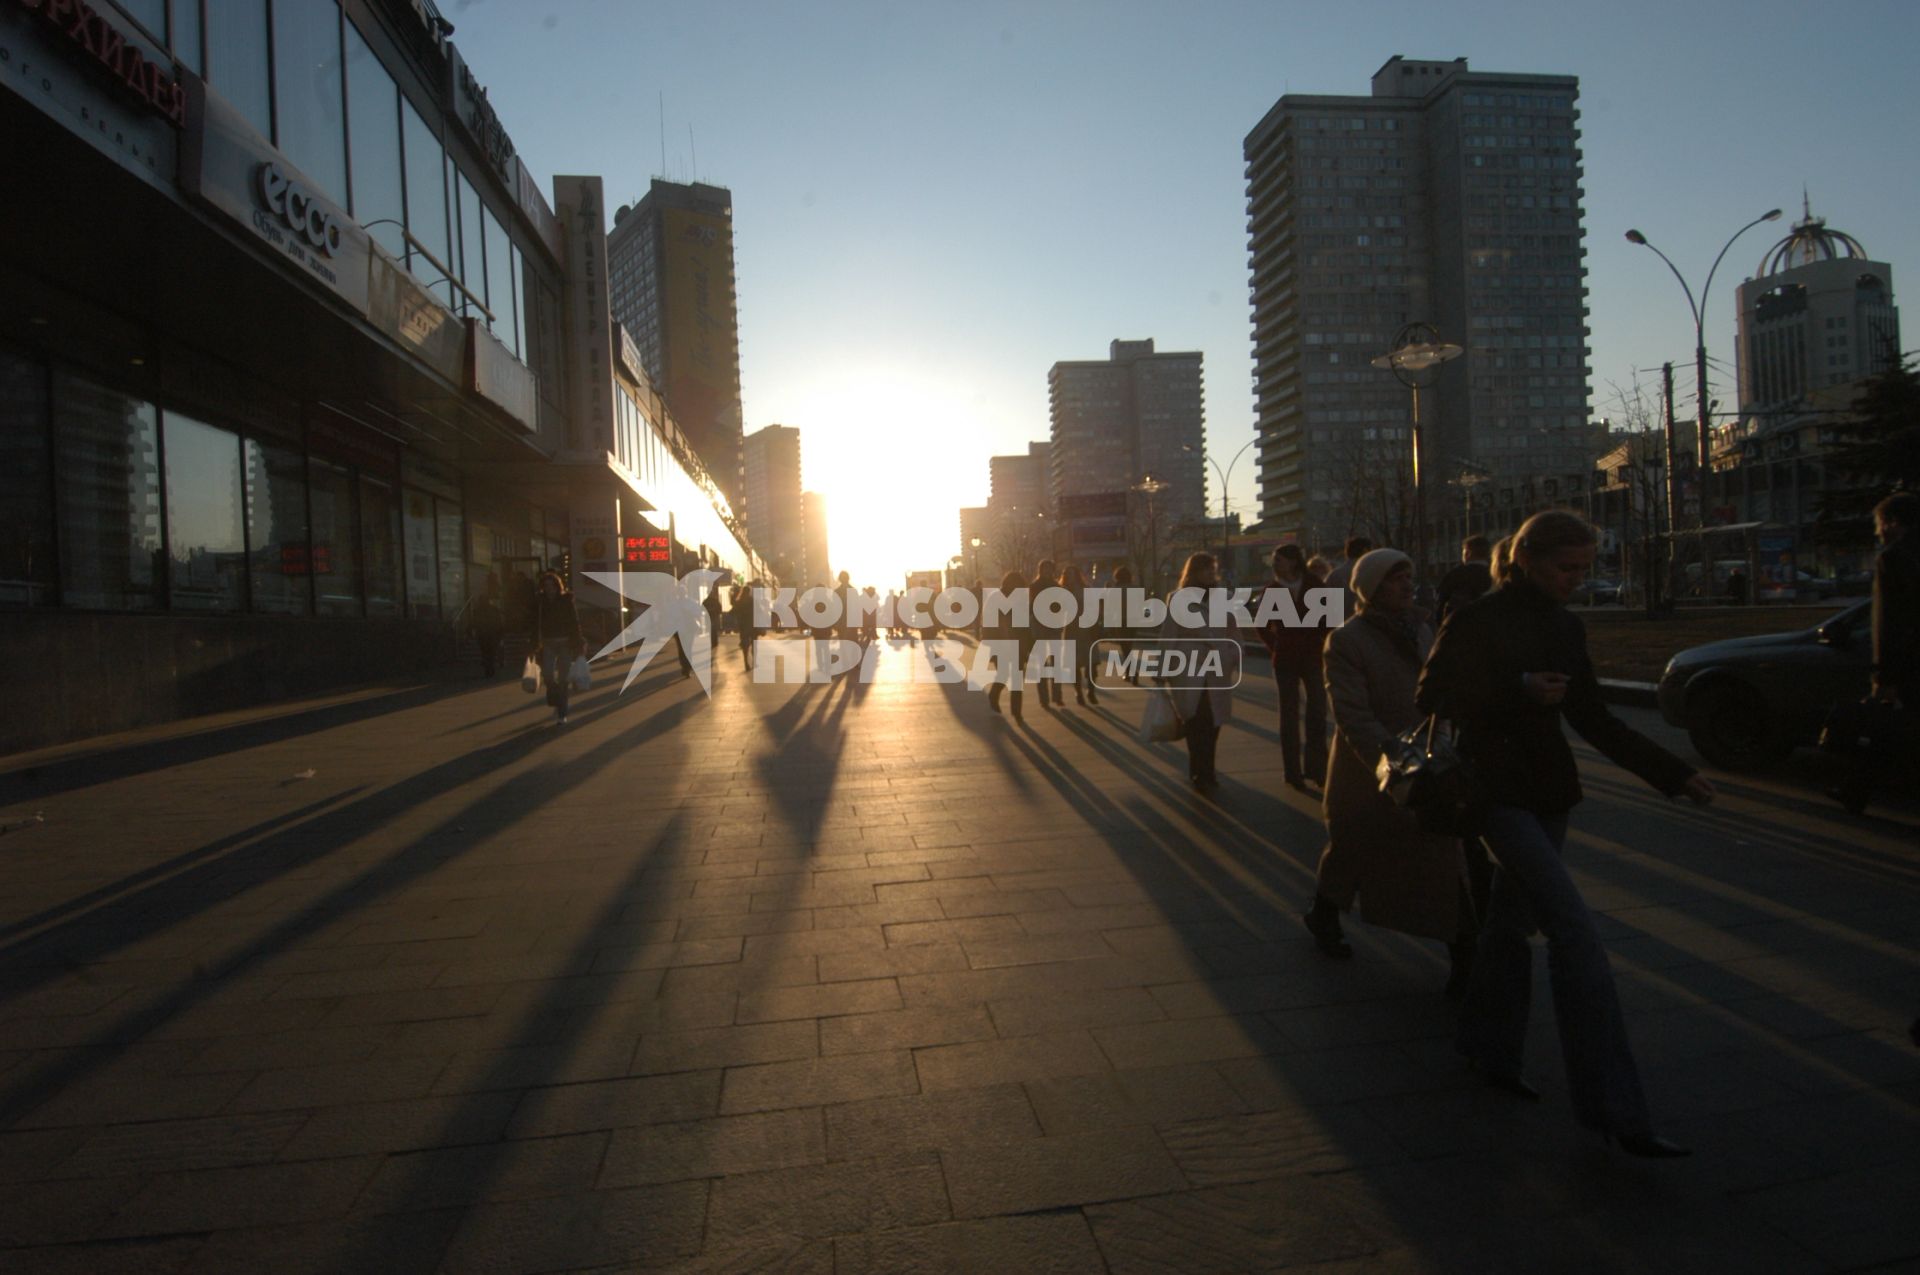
{"points": [[1159, 721], [530, 675], [1424, 773], [1861, 727], [580, 675]]}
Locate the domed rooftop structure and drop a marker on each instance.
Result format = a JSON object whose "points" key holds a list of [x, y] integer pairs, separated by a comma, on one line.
{"points": [[1809, 242]]}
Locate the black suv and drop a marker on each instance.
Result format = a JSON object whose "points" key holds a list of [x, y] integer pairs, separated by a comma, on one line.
{"points": [[1748, 701]]}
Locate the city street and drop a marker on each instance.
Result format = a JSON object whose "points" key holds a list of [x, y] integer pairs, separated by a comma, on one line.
{"points": [[849, 978]]}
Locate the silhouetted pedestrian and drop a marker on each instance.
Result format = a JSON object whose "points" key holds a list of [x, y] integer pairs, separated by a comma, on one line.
{"points": [[1203, 699], [557, 640], [1009, 639], [1896, 649], [1295, 654]]}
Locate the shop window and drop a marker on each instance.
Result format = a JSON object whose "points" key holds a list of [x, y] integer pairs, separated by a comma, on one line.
{"points": [[452, 536], [108, 497], [185, 36], [423, 597], [150, 14], [26, 498], [380, 545], [472, 253], [426, 200], [237, 58], [282, 561], [336, 541], [307, 92], [500, 283], [374, 141], [206, 536]]}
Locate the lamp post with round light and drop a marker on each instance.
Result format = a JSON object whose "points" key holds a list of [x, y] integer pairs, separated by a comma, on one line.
{"points": [[1150, 487], [1414, 361], [1699, 308], [973, 544]]}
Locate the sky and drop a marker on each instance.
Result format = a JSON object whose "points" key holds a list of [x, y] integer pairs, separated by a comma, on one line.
{"points": [[933, 203]]}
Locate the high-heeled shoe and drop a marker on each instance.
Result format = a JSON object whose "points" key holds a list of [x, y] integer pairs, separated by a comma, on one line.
{"points": [[1650, 1145]]}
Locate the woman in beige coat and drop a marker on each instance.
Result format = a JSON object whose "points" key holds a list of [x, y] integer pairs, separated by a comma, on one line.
{"points": [[1407, 879]]}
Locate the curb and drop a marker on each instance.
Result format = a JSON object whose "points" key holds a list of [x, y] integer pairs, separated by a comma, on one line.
{"points": [[1633, 694]]}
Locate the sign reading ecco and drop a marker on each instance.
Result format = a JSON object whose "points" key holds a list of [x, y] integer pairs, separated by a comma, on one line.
{"points": [[304, 212]]}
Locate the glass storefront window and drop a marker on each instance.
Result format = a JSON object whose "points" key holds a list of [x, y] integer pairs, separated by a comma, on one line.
{"points": [[26, 493], [336, 541], [307, 92], [423, 597], [282, 561], [380, 541], [108, 462], [151, 14], [373, 116], [206, 539], [473, 271], [426, 199], [186, 33], [519, 306], [453, 559], [237, 58], [500, 281]]}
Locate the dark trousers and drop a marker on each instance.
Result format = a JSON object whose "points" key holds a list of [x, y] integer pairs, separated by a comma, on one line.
{"points": [[1203, 739], [1531, 885], [1302, 690], [489, 642]]}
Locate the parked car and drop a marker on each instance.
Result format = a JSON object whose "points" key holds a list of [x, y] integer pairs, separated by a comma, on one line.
{"points": [[1745, 702], [1812, 588], [1595, 592]]}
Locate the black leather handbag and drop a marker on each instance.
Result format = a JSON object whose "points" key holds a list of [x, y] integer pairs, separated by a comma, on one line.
{"points": [[1860, 727], [1425, 773]]}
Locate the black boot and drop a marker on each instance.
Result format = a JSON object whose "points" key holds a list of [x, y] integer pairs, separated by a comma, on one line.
{"points": [[993, 697], [1323, 921]]}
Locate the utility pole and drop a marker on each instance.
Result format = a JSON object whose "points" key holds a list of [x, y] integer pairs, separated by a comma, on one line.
{"points": [[1673, 486]]}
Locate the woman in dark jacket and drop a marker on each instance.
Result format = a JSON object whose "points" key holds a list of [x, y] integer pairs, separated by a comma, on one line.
{"points": [[1504, 670], [557, 638], [1080, 637], [1018, 640]]}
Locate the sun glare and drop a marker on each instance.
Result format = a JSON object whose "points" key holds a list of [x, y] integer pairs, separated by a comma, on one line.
{"points": [[895, 457]]}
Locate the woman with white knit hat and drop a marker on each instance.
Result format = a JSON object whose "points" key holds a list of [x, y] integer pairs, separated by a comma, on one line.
{"points": [[1406, 879]]}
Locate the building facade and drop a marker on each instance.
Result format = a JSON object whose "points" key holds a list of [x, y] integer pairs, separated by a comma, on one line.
{"points": [[297, 355], [816, 567], [670, 269], [1134, 419], [1449, 197], [773, 494]]}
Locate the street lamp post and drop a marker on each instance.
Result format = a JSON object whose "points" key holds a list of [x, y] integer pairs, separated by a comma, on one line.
{"points": [[1152, 487], [1699, 308], [1226, 531], [1417, 351], [973, 543]]}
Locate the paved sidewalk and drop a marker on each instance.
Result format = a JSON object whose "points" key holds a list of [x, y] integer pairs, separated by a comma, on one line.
{"points": [[864, 978]]}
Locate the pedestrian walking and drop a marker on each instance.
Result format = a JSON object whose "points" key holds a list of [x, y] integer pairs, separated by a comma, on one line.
{"points": [[1123, 581], [712, 606], [1472, 578], [1407, 879], [1079, 636], [740, 614], [488, 624], [1017, 642], [1896, 649], [1204, 700], [1295, 652], [1505, 670], [557, 639], [1046, 636]]}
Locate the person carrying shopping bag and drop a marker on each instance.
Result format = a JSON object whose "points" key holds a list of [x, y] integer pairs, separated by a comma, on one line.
{"points": [[557, 640], [1204, 700], [1407, 879], [1505, 670]]}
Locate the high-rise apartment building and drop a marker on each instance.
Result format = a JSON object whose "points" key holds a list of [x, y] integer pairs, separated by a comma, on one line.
{"points": [[1020, 480], [773, 494], [1450, 197], [1136, 415], [671, 284]]}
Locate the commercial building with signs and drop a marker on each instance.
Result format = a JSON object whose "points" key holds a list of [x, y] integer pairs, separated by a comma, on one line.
{"points": [[670, 265], [296, 355], [1450, 197], [1137, 418]]}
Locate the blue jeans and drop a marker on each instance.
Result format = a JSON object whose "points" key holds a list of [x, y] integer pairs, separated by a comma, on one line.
{"points": [[1531, 886]]}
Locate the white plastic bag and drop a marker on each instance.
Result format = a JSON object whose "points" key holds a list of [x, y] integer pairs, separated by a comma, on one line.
{"points": [[580, 674], [530, 676], [1159, 721]]}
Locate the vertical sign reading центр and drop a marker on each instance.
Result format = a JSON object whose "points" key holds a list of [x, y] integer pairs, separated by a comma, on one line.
{"points": [[582, 212]]}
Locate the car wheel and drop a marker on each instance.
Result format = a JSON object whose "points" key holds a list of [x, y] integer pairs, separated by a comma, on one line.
{"points": [[1731, 727]]}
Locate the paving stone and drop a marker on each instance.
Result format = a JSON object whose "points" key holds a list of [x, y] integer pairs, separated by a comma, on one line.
{"points": [[969, 929], [650, 1224], [407, 1077], [161, 1146], [63, 1212], [1045, 1244], [904, 1029], [993, 1062], [108, 1257], [1027, 949], [889, 962], [449, 1176], [1191, 1040], [819, 1201], [1090, 1007], [1255, 1226], [1050, 1173], [726, 1046], [256, 1195], [407, 1125], [1112, 1100], [1251, 1148], [714, 1148], [818, 1001], [613, 1104], [929, 1121], [811, 1082]]}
